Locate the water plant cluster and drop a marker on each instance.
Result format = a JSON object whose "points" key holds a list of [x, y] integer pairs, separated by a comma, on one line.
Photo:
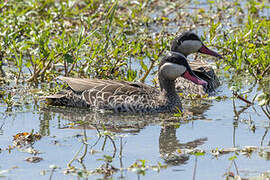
{"points": [[44, 39]]}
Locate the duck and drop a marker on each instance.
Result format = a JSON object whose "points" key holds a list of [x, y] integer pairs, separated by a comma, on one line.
{"points": [[201, 68], [135, 97]]}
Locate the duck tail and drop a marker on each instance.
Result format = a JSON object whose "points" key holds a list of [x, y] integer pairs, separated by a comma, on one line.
{"points": [[54, 100]]}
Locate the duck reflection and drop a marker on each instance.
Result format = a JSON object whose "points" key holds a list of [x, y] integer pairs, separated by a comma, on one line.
{"points": [[125, 123], [168, 145]]}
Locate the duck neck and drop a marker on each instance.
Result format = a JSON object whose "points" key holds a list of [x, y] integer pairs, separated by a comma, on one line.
{"points": [[167, 88]]}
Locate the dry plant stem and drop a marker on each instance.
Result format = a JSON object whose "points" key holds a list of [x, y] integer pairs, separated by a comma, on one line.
{"points": [[18, 77], [147, 72], [75, 157], [236, 168], [38, 72], [265, 133], [72, 67], [121, 158], [84, 140], [51, 173], [95, 142], [121, 148], [32, 63], [99, 137], [229, 168], [267, 109], [121, 153], [234, 132], [99, 134], [243, 109], [236, 115], [254, 75], [241, 98], [255, 110], [1, 127], [151, 67], [104, 143], [114, 146], [65, 66], [265, 112], [2, 72], [195, 168], [266, 70]]}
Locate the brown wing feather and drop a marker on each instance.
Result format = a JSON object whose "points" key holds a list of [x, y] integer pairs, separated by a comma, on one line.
{"points": [[106, 94], [110, 86], [78, 84]]}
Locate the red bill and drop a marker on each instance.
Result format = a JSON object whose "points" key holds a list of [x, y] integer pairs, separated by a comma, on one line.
{"points": [[194, 79], [206, 50]]}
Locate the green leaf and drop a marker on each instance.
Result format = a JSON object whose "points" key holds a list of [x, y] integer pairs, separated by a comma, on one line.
{"points": [[199, 153], [232, 158], [68, 58], [227, 68], [108, 158], [143, 162], [143, 65]]}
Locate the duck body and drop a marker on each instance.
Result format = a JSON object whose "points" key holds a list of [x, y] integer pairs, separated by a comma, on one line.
{"points": [[118, 96], [123, 96]]}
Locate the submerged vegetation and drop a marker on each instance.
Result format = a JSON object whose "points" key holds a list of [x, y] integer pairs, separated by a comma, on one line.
{"points": [[118, 39]]}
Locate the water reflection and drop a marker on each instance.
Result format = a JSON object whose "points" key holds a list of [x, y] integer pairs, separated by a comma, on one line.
{"points": [[125, 123], [168, 145], [119, 123]]}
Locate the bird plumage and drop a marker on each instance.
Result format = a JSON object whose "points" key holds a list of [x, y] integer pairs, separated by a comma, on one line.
{"points": [[119, 96], [203, 71]]}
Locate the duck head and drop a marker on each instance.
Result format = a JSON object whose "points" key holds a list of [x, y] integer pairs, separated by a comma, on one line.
{"points": [[177, 66], [189, 43]]}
